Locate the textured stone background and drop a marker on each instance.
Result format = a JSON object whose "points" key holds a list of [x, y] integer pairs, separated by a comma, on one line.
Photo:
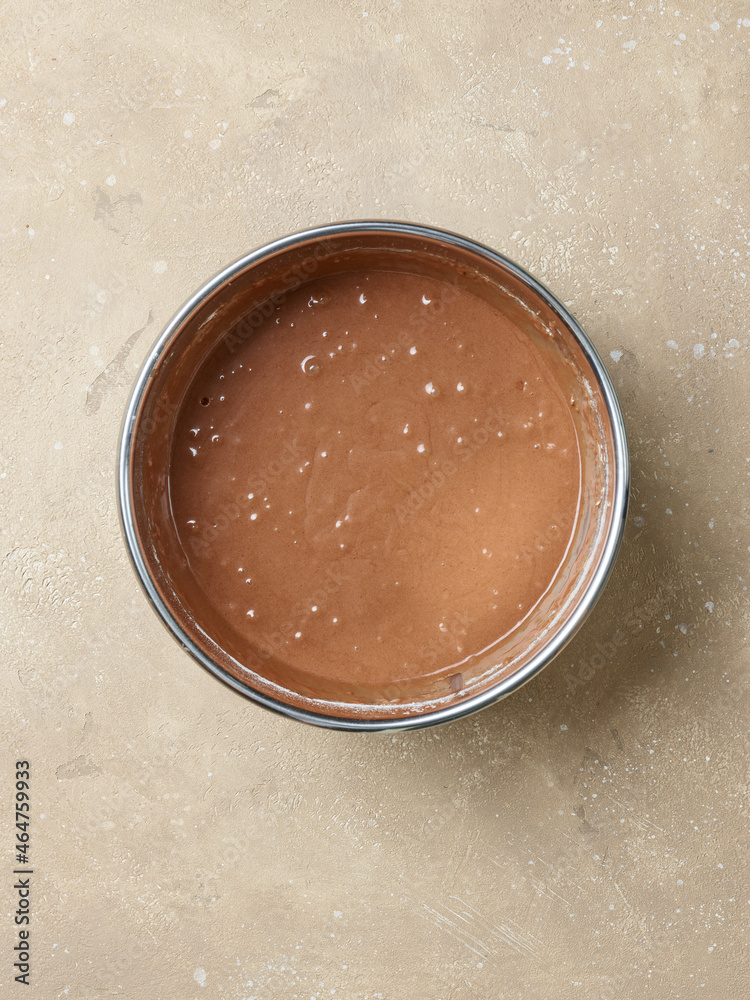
{"points": [[588, 836]]}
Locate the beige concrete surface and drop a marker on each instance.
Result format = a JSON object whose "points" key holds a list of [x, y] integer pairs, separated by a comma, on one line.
{"points": [[587, 837]]}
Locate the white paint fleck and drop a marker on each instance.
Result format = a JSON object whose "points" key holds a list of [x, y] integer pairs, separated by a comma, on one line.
{"points": [[188, 134], [673, 344], [564, 728], [615, 355], [215, 143], [338, 914], [715, 26], [546, 60], [709, 605], [58, 446], [111, 180], [699, 350], [629, 46], [160, 266], [68, 118], [200, 976]]}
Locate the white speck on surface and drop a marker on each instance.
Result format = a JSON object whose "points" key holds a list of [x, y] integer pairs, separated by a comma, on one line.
{"points": [[160, 266], [673, 344], [546, 60], [58, 446], [215, 143], [629, 46], [200, 976], [111, 180], [715, 26], [699, 350], [564, 728], [709, 605], [68, 118], [615, 355]]}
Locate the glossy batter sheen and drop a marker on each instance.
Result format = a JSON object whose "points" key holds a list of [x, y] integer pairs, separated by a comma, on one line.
{"points": [[377, 484]]}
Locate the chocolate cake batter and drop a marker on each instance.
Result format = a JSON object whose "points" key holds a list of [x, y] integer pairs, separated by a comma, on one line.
{"points": [[376, 485]]}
